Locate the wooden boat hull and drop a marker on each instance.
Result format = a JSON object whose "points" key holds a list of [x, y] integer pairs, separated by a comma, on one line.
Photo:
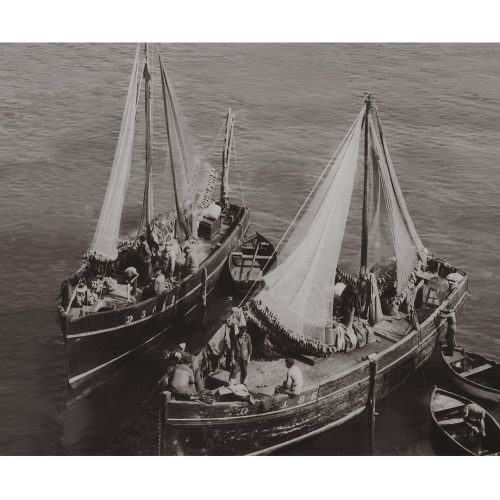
{"points": [[471, 387], [228, 429], [240, 267], [95, 341], [452, 432]]}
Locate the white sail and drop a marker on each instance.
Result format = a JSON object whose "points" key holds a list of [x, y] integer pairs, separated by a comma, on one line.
{"points": [[104, 244], [407, 244], [300, 290]]}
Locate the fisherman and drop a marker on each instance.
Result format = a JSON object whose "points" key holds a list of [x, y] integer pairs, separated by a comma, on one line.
{"points": [[350, 304], [293, 382], [145, 253], [448, 312], [238, 317], [474, 416], [169, 259], [241, 352], [191, 263], [364, 293], [81, 293], [192, 362], [181, 381], [159, 283], [131, 276]]}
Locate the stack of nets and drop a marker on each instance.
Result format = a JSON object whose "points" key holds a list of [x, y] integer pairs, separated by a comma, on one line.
{"points": [[266, 322]]}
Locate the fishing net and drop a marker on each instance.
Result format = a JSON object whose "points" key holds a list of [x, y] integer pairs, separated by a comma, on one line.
{"points": [[300, 290], [104, 244]]}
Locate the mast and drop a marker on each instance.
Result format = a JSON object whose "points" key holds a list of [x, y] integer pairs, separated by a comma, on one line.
{"points": [[226, 153], [364, 224], [147, 203], [183, 230]]}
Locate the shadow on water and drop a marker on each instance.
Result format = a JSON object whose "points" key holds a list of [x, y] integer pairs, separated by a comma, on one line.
{"points": [[403, 426], [118, 412]]}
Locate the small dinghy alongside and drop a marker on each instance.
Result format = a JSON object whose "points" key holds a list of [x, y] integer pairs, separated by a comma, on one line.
{"points": [[473, 373], [447, 410], [249, 262]]}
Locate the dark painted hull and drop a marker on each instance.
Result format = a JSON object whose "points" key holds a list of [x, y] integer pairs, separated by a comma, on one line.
{"points": [[95, 341], [228, 429]]}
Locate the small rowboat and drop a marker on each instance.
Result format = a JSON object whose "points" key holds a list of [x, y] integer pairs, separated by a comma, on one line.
{"points": [[250, 261], [447, 413], [474, 374]]}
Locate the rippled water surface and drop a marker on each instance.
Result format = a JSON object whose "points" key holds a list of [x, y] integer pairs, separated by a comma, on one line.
{"points": [[60, 108]]}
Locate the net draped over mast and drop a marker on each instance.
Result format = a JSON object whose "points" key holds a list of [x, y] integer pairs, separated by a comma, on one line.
{"points": [[297, 296], [300, 290], [407, 244], [105, 242], [193, 180]]}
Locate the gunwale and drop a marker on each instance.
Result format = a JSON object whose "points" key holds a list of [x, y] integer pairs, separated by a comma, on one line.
{"points": [[463, 381], [464, 400], [359, 367]]}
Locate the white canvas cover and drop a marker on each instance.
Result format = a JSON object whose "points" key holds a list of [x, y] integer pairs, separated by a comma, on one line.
{"points": [[300, 290], [104, 244]]}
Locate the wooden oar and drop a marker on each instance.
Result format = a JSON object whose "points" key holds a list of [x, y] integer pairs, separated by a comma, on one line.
{"points": [[253, 261]]}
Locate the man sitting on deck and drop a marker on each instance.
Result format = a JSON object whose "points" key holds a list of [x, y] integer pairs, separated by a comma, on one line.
{"points": [[293, 382], [181, 381]]}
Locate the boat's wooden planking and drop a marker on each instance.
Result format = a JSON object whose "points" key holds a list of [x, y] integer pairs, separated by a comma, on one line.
{"points": [[335, 401], [97, 340], [481, 381]]}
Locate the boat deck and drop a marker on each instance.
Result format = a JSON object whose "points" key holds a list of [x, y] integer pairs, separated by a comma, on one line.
{"points": [[119, 297], [266, 374]]}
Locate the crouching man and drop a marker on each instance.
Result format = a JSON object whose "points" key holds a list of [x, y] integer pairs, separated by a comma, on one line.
{"points": [[181, 380]]}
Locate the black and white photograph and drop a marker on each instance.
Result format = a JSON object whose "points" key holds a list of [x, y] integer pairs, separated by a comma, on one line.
{"points": [[253, 247]]}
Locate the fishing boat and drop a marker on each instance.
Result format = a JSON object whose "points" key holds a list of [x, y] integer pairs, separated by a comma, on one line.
{"points": [[250, 261], [447, 414], [103, 319], [294, 314], [475, 374]]}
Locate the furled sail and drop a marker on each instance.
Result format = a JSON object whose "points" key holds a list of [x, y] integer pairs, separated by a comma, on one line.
{"points": [[407, 244], [104, 244], [300, 290], [226, 154], [181, 164]]}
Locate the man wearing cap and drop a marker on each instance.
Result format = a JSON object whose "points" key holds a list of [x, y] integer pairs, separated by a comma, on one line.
{"points": [[448, 312], [241, 353], [191, 263]]}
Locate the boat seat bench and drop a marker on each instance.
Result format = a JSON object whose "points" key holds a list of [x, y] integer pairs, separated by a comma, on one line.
{"points": [[451, 421], [478, 369]]}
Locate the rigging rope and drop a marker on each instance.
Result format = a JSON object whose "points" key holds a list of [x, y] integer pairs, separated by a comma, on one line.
{"points": [[322, 175]]}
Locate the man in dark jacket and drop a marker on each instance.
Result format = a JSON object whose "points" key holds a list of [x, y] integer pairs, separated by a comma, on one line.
{"points": [[241, 352]]}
